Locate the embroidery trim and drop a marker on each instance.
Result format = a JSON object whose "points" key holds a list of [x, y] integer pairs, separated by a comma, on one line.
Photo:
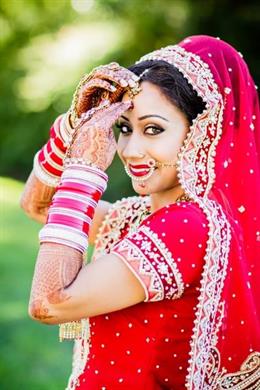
{"points": [[248, 377], [148, 257], [196, 174], [122, 213]]}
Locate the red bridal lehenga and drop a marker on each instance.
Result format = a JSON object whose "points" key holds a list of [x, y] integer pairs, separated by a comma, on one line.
{"points": [[198, 260]]}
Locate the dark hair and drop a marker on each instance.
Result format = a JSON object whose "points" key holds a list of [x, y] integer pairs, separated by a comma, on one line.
{"points": [[173, 85]]}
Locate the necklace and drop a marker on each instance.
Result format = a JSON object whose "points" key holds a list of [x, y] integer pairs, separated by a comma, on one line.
{"points": [[183, 198], [145, 213]]}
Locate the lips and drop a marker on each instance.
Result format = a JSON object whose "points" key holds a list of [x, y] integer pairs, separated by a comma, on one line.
{"points": [[139, 170]]}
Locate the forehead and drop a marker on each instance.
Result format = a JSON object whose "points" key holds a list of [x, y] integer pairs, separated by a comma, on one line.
{"points": [[150, 100], [150, 97]]}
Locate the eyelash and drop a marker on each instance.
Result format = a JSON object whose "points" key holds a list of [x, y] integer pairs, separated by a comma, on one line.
{"points": [[120, 126]]}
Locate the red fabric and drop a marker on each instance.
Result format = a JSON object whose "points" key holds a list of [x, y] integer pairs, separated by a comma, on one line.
{"points": [[237, 190], [147, 345], [223, 330]]}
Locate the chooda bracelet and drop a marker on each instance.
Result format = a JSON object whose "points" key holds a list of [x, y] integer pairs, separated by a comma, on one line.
{"points": [[69, 218], [73, 206], [48, 162]]}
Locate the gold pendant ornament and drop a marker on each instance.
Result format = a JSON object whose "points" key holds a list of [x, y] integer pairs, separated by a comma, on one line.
{"points": [[70, 330]]}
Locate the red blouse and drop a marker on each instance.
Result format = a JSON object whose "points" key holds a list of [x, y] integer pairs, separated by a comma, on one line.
{"points": [[146, 346]]}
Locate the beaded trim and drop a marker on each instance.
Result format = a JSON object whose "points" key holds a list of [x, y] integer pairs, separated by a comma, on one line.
{"points": [[122, 213], [196, 159], [196, 174], [80, 355], [248, 377], [149, 259]]}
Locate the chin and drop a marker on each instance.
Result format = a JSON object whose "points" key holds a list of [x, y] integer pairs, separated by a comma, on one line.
{"points": [[146, 189], [140, 189]]}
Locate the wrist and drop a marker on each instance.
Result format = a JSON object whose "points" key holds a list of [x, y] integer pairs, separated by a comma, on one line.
{"points": [[48, 162]]}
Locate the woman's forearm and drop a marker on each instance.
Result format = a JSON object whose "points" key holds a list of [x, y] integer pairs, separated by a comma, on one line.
{"points": [[36, 198], [56, 268]]}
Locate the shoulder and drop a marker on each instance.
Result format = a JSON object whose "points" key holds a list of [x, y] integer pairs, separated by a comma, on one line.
{"points": [[119, 217], [183, 216], [181, 228], [126, 209], [167, 250]]}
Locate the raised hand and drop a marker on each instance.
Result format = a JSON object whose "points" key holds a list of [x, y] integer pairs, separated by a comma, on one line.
{"points": [[106, 82], [94, 142]]}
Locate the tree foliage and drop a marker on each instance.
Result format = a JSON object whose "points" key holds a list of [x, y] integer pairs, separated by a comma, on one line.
{"points": [[46, 46]]}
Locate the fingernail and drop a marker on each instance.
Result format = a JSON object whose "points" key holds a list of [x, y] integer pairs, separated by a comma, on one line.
{"points": [[132, 83], [135, 77], [123, 83]]}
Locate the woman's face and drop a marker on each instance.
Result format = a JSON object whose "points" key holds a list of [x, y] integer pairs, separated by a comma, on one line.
{"points": [[153, 129]]}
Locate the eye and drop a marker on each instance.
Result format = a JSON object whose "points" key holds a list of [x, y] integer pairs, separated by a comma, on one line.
{"points": [[124, 128], [153, 130]]}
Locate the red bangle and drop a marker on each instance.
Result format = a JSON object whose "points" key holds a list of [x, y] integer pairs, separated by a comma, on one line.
{"points": [[74, 205], [69, 221], [50, 169], [85, 189], [58, 160]]}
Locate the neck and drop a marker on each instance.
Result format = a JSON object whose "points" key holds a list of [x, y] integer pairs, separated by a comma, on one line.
{"points": [[161, 199]]}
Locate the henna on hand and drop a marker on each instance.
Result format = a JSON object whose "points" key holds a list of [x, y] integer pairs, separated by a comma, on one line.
{"points": [[95, 140], [56, 268], [104, 82]]}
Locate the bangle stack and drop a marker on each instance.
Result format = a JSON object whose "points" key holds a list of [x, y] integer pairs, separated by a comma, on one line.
{"points": [[73, 206], [48, 162]]}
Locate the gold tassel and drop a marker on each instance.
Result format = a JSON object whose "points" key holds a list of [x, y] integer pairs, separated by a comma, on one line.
{"points": [[70, 331]]}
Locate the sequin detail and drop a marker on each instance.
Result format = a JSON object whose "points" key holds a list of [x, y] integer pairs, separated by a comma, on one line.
{"points": [[150, 260]]}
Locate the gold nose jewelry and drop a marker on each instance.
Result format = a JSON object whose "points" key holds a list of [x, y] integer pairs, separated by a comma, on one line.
{"points": [[166, 164]]}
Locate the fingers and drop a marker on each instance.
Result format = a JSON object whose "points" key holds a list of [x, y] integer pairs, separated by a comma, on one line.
{"points": [[92, 91], [105, 82], [97, 83], [117, 74], [106, 117]]}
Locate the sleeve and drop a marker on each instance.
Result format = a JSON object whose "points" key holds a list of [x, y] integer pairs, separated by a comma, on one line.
{"points": [[166, 252]]}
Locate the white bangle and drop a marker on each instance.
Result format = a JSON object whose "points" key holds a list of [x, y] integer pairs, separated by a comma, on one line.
{"points": [[43, 176], [64, 235]]}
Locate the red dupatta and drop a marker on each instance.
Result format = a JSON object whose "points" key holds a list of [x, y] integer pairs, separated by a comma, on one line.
{"points": [[219, 168]]}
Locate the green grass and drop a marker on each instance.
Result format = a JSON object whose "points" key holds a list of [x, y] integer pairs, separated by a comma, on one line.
{"points": [[31, 357]]}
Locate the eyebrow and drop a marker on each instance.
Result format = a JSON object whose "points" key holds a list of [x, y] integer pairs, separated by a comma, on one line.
{"points": [[147, 116]]}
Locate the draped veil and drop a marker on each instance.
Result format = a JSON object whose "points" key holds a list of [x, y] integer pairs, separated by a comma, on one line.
{"points": [[219, 168]]}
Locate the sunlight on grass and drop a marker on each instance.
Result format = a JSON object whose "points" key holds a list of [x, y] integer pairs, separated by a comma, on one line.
{"points": [[10, 189]]}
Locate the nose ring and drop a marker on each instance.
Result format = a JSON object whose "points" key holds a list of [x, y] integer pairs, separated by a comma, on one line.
{"points": [[151, 163]]}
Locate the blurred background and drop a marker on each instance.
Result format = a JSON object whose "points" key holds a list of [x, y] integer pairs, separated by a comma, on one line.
{"points": [[45, 48]]}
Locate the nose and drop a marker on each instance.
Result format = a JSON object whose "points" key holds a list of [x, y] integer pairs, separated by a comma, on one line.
{"points": [[133, 148]]}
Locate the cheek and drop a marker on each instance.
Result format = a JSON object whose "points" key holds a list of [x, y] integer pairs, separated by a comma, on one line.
{"points": [[176, 142]]}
